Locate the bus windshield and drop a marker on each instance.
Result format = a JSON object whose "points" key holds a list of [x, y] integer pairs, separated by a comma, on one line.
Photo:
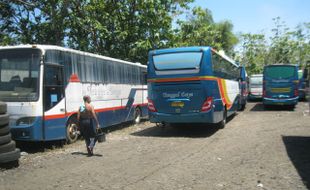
{"points": [[300, 74], [177, 61], [280, 72], [256, 81], [19, 72]]}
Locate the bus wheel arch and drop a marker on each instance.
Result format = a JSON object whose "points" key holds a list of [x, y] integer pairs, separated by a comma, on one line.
{"points": [[137, 115], [222, 123], [72, 129]]}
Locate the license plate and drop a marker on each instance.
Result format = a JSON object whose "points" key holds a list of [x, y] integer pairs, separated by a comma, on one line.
{"points": [[177, 104]]}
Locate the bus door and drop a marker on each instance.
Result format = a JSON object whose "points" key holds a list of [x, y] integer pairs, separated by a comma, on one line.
{"points": [[53, 102]]}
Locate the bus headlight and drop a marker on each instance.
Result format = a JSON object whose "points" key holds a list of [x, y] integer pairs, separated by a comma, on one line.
{"points": [[25, 121]]}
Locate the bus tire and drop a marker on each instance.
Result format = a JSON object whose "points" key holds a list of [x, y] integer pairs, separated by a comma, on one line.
{"points": [[72, 130], [137, 115], [10, 157], [4, 130], [3, 108], [223, 122], [9, 147], [4, 119], [5, 139]]}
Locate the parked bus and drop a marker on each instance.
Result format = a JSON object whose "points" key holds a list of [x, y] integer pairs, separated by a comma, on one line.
{"points": [[192, 85], [280, 85], [43, 87], [302, 76], [243, 88], [255, 87]]}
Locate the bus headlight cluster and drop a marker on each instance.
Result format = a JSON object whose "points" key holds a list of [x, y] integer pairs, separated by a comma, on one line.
{"points": [[25, 121]]}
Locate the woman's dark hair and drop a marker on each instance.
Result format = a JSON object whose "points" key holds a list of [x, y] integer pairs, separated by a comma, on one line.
{"points": [[86, 98]]}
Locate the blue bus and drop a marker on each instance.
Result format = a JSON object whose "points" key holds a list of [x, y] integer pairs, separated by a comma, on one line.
{"points": [[280, 85], [302, 76], [192, 85], [243, 88]]}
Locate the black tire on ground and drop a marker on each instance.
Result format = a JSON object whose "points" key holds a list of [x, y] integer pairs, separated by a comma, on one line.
{"points": [[4, 130], [4, 119], [291, 107], [9, 147], [137, 115], [3, 108], [5, 139], [10, 156], [222, 123], [72, 130]]}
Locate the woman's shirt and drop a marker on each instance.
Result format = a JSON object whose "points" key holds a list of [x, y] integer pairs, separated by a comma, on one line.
{"points": [[85, 113]]}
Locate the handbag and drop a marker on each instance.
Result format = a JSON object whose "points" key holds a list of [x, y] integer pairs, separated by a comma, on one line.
{"points": [[100, 136]]}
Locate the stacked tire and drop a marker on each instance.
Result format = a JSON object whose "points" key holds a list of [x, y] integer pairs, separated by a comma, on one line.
{"points": [[9, 154]]}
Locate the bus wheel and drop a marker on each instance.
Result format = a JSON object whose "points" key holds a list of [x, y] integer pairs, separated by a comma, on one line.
{"points": [[223, 122], [72, 131], [137, 119]]}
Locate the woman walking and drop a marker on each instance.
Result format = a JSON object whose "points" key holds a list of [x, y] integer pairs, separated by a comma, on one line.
{"points": [[86, 115]]}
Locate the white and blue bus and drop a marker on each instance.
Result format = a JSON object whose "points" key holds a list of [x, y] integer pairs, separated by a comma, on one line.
{"points": [[192, 85], [43, 87]]}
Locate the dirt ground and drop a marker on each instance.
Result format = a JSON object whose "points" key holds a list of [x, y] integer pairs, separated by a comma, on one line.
{"points": [[257, 149]]}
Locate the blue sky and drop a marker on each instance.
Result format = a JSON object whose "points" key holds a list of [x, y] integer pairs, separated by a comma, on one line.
{"points": [[255, 16]]}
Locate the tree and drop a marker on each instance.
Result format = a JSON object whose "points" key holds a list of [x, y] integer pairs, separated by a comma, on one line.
{"points": [[254, 52], [201, 30], [124, 29], [288, 46]]}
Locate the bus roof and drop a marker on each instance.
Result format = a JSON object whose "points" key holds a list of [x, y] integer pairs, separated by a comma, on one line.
{"points": [[193, 49], [53, 47], [256, 75], [180, 49], [278, 65]]}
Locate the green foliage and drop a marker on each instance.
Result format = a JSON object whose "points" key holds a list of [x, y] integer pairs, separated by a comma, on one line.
{"points": [[125, 29], [284, 46], [128, 29], [201, 30]]}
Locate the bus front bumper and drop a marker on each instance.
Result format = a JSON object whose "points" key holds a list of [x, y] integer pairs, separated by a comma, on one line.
{"points": [[285, 101], [23, 132], [202, 117], [254, 97]]}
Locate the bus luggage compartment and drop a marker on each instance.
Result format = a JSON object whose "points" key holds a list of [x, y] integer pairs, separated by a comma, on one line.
{"points": [[178, 98]]}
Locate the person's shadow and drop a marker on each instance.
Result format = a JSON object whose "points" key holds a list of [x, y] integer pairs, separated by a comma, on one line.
{"points": [[85, 154]]}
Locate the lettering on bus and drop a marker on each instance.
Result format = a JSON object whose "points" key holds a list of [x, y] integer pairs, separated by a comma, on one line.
{"points": [[178, 95]]}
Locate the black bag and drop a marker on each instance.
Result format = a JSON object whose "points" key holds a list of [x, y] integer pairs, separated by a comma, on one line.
{"points": [[100, 136]]}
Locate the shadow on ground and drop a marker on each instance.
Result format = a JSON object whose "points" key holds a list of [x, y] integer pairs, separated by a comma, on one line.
{"points": [[260, 107], [35, 147], [85, 154], [188, 130], [298, 150]]}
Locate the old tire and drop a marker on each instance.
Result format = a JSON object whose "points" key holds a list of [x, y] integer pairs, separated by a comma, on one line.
{"points": [[9, 147], [3, 108], [72, 130], [4, 130], [10, 156], [4, 119], [137, 116], [5, 139]]}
